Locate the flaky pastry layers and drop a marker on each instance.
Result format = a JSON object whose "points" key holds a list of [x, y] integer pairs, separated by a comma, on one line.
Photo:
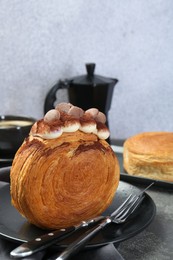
{"points": [[150, 154], [59, 182]]}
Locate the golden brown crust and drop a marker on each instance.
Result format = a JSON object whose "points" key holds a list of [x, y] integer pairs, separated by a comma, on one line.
{"points": [[150, 155], [59, 182]]}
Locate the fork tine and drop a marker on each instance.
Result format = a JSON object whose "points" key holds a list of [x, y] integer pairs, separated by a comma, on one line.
{"points": [[122, 206], [137, 203], [126, 206], [129, 209], [130, 204]]}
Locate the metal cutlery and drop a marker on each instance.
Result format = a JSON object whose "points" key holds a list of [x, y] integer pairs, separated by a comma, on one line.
{"points": [[45, 241], [42, 242]]}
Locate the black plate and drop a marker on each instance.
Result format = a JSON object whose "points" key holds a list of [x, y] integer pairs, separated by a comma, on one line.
{"points": [[14, 227], [138, 179], [4, 162], [5, 173]]}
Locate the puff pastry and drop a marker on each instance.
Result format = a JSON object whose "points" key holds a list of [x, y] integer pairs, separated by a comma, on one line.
{"points": [[59, 181], [150, 154]]}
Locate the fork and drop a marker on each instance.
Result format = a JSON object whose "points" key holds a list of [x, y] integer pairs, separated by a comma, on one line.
{"points": [[120, 215]]}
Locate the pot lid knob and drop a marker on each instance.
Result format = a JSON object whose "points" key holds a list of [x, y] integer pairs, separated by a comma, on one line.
{"points": [[90, 67]]}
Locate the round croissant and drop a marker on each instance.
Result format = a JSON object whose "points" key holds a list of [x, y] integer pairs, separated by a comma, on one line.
{"points": [[59, 182]]}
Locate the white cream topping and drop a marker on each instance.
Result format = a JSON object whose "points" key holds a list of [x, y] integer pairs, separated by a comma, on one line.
{"points": [[70, 128], [88, 128], [50, 135], [68, 119], [103, 134]]}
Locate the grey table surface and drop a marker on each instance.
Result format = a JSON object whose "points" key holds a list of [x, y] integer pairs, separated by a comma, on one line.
{"points": [[154, 243]]}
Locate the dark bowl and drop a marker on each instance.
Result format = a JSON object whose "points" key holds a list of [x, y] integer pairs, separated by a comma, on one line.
{"points": [[13, 131]]}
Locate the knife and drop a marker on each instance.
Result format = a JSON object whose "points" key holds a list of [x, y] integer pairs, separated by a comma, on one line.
{"points": [[46, 240]]}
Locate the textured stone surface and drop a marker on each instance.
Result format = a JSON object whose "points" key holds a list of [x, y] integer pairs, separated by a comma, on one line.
{"points": [[155, 242], [42, 41]]}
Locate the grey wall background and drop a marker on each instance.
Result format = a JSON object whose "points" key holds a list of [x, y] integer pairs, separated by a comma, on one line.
{"points": [[42, 41]]}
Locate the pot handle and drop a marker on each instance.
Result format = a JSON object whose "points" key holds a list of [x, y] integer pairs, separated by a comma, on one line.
{"points": [[51, 95]]}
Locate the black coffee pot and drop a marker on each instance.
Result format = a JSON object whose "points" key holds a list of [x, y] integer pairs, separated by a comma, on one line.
{"points": [[85, 91]]}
